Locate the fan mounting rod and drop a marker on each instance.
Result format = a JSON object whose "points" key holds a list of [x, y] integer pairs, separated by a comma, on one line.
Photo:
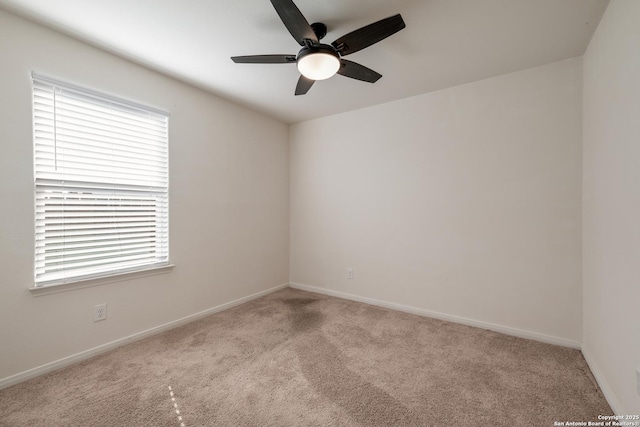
{"points": [[319, 29]]}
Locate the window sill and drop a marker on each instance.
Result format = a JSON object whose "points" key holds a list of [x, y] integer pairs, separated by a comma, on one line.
{"points": [[88, 283]]}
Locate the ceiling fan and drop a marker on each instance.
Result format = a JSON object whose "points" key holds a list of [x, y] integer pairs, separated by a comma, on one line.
{"points": [[318, 61]]}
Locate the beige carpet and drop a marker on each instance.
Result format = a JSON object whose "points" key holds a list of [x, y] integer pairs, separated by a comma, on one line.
{"points": [[295, 358]]}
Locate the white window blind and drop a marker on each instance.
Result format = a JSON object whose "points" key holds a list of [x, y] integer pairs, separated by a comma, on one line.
{"points": [[101, 184]]}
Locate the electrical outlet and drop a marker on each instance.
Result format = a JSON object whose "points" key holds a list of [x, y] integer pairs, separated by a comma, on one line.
{"points": [[350, 273], [99, 312]]}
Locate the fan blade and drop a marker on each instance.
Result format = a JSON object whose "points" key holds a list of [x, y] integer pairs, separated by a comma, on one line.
{"points": [[295, 22], [303, 86], [358, 72], [264, 59], [371, 34]]}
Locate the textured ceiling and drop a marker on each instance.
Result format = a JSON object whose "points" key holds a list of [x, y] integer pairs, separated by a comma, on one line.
{"points": [[446, 43]]}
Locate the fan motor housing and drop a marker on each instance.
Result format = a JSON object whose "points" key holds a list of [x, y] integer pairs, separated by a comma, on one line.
{"points": [[321, 48]]}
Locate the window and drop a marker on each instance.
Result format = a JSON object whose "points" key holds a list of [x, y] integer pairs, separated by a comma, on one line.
{"points": [[101, 184]]}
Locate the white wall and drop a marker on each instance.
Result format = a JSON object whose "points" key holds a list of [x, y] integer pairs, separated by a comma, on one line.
{"points": [[464, 202], [611, 204], [228, 194]]}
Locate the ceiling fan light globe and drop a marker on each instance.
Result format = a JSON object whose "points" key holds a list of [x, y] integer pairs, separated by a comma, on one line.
{"points": [[318, 65]]}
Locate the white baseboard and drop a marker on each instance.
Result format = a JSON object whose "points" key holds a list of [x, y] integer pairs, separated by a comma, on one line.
{"points": [[602, 382], [83, 355], [549, 339]]}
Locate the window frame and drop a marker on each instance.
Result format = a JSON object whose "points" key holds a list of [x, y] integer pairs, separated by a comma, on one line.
{"points": [[160, 209]]}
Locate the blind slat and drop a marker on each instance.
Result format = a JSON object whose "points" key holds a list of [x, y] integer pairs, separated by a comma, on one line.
{"points": [[41, 236], [73, 248], [73, 241]]}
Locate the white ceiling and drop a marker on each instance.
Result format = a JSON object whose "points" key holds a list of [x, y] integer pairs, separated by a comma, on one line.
{"points": [[446, 43]]}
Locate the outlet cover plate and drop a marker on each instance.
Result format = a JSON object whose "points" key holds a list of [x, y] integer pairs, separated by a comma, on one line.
{"points": [[100, 312]]}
